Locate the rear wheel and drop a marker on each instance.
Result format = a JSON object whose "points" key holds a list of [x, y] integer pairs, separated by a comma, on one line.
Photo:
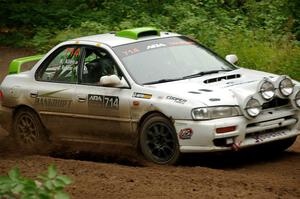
{"points": [[158, 140], [28, 131]]}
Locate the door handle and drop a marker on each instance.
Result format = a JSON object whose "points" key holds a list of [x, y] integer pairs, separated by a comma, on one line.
{"points": [[81, 98], [33, 94]]}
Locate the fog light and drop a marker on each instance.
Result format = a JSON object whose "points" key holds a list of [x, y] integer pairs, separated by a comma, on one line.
{"points": [[253, 107], [286, 87], [297, 99], [267, 90]]}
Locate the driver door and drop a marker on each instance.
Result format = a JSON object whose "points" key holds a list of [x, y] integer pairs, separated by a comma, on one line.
{"points": [[103, 112]]}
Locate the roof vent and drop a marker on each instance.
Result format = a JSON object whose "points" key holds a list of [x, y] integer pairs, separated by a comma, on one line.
{"points": [[217, 79], [136, 33]]}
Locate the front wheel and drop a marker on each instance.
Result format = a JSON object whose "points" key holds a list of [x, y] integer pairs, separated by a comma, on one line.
{"points": [[158, 140]]}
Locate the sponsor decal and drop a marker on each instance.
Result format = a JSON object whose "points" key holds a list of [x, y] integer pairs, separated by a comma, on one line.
{"points": [[135, 103], [240, 83], [152, 46], [50, 102], [110, 102], [51, 93], [176, 99], [214, 99], [261, 137], [185, 134], [53, 103], [181, 43], [131, 51], [142, 95]]}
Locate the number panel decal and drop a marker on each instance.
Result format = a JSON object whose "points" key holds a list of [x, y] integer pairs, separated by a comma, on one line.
{"points": [[109, 102]]}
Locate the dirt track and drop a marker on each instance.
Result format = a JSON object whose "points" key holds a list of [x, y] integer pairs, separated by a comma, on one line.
{"points": [[234, 175]]}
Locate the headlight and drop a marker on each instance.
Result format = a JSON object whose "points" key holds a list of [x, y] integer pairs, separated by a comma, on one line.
{"points": [[253, 107], [216, 112], [267, 90], [286, 87], [297, 99]]}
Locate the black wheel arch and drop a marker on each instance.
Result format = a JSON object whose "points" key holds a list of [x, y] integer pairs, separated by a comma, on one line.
{"points": [[23, 106]]}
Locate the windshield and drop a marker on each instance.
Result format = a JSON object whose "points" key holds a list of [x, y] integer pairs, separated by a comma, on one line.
{"points": [[169, 59]]}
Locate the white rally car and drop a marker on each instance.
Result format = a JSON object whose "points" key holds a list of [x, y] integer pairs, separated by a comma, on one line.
{"points": [[158, 92]]}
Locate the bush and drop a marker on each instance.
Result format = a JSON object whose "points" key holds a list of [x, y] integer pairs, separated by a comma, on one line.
{"points": [[48, 186], [262, 33], [280, 57]]}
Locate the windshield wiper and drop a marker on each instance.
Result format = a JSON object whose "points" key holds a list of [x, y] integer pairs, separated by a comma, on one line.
{"points": [[162, 81], [202, 73]]}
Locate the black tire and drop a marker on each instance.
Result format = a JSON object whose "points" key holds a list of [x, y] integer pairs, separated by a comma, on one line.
{"points": [[29, 132], [158, 141]]}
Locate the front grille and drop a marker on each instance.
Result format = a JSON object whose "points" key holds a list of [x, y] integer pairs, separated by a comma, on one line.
{"points": [[282, 122], [276, 102], [267, 132]]}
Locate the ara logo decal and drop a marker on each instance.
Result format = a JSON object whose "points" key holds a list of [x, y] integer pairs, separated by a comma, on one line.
{"points": [[110, 102], [152, 46], [185, 134]]}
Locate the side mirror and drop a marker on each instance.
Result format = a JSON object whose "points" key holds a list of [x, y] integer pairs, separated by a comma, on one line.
{"points": [[112, 81], [232, 58]]}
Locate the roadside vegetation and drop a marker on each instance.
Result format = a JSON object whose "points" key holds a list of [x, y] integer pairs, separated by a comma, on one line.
{"points": [[265, 34], [47, 186]]}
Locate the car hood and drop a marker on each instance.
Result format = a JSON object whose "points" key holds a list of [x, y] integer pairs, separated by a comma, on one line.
{"points": [[225, 88]]}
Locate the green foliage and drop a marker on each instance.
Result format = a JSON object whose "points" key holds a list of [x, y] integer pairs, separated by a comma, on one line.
{"points": [[265, 34], [280, 57], [49, 185]]}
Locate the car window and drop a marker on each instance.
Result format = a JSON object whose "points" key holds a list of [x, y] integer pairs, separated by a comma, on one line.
{"points": [[96, 64], [63, 67], [168, 58]]}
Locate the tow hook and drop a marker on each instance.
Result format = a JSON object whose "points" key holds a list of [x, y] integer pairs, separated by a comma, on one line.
{"points": [[236, 146]]}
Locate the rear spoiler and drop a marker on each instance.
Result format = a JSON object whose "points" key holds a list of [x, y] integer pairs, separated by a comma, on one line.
{"points": [[15, 65]]}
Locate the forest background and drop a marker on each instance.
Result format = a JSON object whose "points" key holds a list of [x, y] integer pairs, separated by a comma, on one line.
{"points": [[265, 34]]}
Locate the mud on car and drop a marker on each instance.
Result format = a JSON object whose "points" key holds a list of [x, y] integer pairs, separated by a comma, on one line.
{"points": [[160, 93]]}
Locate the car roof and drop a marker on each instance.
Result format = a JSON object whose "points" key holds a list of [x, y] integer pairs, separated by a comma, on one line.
{"points": [[112, 40]]}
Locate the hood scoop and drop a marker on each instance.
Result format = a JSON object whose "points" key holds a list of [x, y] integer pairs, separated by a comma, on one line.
{"points": [[217, 79], [194, 92]]}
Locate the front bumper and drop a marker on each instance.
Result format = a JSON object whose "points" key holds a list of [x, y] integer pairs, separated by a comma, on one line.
{"points": [[270, 125], [6, 115]]}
